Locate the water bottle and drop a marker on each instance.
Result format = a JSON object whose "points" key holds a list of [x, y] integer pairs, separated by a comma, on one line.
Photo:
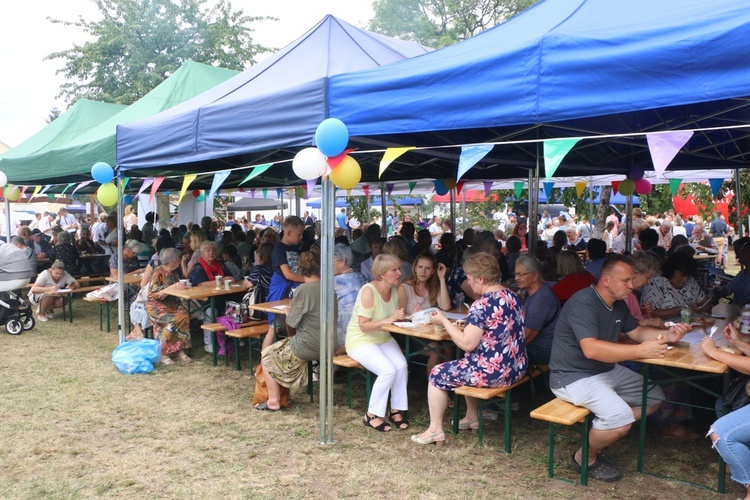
{"points": [[685, 315]]}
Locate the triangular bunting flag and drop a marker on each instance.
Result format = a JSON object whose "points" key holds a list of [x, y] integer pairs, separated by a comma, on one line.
{"points": [[185, 183], [348, 193], [67, 187], [459, 187], [412, 185], [36, 190], [252, 193], [389, 188], [265, 193], [154, 188], [278, 193], [554, 152], [580, 186], [615, 186], [219, 178], [548, 189], [470, 156], [366, 189], [292, 192], [716, 186], [390, 155], [518, 189], [125, 181], [311, 183], [674, 186], [146, 184], [334, 161], [664, 147], [83, 184], [44, 190], [257, 170], [487, 188]]}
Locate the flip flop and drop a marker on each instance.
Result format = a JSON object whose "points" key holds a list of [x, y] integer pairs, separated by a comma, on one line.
{"points": [[264, 407]]}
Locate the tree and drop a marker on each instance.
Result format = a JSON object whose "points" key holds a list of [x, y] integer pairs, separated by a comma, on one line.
{"points": [[54, 114], [439, 23], [139, 43], [659, 200]]}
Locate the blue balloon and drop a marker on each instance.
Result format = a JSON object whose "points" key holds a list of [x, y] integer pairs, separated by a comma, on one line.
{"points": [[331, 137], [440, 188], [102, 172], [128, 200]]}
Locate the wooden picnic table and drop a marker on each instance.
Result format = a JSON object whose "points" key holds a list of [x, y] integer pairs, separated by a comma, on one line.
{"points": [[275, 307]]}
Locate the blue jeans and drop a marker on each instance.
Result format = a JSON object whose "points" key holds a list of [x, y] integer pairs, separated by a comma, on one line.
{"points": [[733, 443]]}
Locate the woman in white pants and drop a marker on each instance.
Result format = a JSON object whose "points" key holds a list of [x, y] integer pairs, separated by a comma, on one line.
{"points": [[375, 349]]}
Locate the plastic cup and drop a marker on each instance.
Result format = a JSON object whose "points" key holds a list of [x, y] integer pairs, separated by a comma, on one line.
{"points": [[439, 329], [227, 285]]}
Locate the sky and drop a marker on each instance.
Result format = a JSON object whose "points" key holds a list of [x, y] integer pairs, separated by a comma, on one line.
{"points": [[29, 85]]}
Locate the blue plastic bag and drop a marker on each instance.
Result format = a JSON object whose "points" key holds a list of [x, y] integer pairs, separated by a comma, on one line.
{"points": [[137, 356]]}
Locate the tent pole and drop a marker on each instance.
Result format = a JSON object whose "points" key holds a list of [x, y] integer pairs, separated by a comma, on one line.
{"points": [[383, 194], [738, 200], [591, 203], [532, 223], [463, 211], [281, 199], [7, 217], [120, 246], [328, 335], [453, 210], [629, 223]]}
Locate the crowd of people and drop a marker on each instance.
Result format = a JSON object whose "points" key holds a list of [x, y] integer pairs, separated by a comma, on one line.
{"points": [[587, 322]]}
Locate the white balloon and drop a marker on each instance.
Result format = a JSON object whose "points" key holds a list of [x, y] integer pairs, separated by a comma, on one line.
{"points": [[3, 179], [309, 164]]}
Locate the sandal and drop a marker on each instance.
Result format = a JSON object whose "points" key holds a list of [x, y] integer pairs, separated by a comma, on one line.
{"points": [[264, 407], [166, 360], [602, 470], [428, 438], [184, 357], [401, 424], [466, 426], [383, 427]]}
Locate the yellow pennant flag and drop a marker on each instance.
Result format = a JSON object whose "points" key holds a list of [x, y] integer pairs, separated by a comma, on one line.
{"points": [[348, 193], [185, 183], [36, 190], [390, 155], [580, 186], [291, 192]]}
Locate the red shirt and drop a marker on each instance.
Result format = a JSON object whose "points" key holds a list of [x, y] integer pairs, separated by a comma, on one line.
{"points": [[566, 287]]}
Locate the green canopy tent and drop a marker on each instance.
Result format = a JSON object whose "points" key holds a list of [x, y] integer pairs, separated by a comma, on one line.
{"points": [[70, 160]]}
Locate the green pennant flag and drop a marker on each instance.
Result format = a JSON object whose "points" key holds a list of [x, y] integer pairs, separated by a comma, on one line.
{"points": [[554, 152], [674, 186], [518, 186], [265, 193], [125, 181], [257, 170], [412, 185], [67, 187]]}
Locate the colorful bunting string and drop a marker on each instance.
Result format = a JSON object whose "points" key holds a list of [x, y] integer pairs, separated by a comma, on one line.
{"points": [[580, 186], [554, 153], [470, 156], [265, 193], [36, 190], [366, 189], [664, 147], [412, 185], [716, 186], [389, 188], [390, 155], [219, 178], [615, 186], [185, 183], [154, 188], [518, 189], [487, 188], [674, 186], [257, 170], [144, 186], [459, 187], [81, 185], [548, 189]]}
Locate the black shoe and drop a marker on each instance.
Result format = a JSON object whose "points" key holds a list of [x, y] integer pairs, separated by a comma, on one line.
{"points": [[601, 469]]}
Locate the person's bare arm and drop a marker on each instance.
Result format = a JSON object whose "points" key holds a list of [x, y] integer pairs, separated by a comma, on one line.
{"points": [[289, 275]]}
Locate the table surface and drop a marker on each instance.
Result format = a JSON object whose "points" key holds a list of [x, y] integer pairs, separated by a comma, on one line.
{"points": [[688, 357], [128, 279], [271, 307], [203, 292], [422, 331]]}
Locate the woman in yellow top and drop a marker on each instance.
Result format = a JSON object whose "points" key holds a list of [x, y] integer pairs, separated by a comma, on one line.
{"points": [[375, 349]]}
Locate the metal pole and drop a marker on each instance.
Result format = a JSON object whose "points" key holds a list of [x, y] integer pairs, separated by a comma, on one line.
{"points": [[534, 202], [281, 199], [120, 245], [591, 203], [384, 229], [7, 218], [738, 200], [328, 335], [629, 223], [453, 210], [463, 211]]}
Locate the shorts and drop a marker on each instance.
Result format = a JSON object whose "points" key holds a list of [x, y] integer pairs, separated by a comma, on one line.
{"points": [[610, 396]]}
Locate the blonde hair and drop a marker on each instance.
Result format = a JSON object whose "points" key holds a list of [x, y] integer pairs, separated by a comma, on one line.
{"points": [[483, 265], [382, 263]]}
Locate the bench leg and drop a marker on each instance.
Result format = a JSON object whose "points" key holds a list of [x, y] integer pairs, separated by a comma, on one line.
{"points": [[215, 345], [101, 317], [109, 314], [551, 456], [310, 381], [237, 354], [508, 430], [585, 451]]}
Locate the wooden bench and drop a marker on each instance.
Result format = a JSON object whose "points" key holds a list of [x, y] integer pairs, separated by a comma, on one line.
{"points": [[559, 412], [218, 327], [353, 369], [254, 333], [484, 394], [105, 307]]}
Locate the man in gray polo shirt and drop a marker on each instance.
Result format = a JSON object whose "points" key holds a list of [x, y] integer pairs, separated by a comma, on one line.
{"points": [[585, 353]]}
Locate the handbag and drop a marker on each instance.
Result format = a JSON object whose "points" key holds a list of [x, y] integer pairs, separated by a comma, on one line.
{"points": [[237, 311], [252, 297], [738, 394], [142, 296]]}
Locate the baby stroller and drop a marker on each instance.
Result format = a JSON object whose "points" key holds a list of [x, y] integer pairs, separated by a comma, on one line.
{"points": [[17, 267]]}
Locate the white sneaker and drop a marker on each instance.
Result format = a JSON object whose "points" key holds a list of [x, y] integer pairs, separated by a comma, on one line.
{"points": [[50, 315], [42, 318], [208, 348]]}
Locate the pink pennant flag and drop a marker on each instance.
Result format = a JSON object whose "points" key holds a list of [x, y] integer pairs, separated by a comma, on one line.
{"points": [[146, 184], [487, 188], [310, 187], [154, 188], [334, 161], [664, 147]]}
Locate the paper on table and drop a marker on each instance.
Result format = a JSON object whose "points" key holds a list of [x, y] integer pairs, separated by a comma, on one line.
{"points": [[405, 324], [280, 307], [455, 316], [64, 290]]}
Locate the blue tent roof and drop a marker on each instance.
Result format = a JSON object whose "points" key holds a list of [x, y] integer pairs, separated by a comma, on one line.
{"points": [[343, 202], [276, 103]]}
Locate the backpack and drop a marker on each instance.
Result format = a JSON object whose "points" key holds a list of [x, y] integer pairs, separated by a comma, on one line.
{"points": [[252, 297]]}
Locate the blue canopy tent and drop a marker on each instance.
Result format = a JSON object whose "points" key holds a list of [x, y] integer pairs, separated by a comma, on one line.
{"points": [[342, 202], [277, 103]]}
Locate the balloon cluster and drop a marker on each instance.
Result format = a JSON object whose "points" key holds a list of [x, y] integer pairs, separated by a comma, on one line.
{"points": [[331, 139], [103, 174], [199, 195], [635, 183], [12, 193]]}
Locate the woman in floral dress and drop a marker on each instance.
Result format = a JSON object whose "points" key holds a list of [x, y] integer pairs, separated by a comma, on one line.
{"points": [[168, 314], [493, 342]]}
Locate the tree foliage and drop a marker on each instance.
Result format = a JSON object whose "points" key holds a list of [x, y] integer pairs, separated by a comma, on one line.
{"points": [[659, 200], [139, 43], [439, 23]]}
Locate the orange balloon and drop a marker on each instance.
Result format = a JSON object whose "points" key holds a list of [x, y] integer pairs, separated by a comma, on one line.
{"points": [[348, 174]]}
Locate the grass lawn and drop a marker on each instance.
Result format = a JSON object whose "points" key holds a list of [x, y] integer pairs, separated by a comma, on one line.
{"points": [[72, 426]]}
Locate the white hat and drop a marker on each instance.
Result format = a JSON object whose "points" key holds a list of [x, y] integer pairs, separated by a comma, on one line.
{"points": [[354, 223]]}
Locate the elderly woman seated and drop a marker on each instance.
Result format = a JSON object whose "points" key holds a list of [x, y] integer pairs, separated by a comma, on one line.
{"points": [[540, 307], [493, 343], [167, 313], [285, 362], [347, 283], [42, 293], [676, 287], [66, 252]]}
